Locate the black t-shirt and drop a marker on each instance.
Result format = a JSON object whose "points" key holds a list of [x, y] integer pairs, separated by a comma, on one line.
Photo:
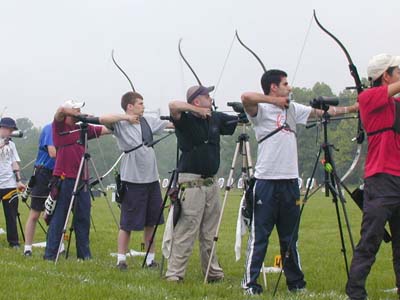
{"points": [[199, 139]]}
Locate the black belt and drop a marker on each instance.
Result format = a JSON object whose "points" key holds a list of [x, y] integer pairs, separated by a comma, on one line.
{"points": [[43, 168]]}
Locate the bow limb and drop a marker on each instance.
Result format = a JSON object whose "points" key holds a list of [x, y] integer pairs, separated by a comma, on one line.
{"points": [[192, 70], [113, 166], [353, 71], [352, 67], [251, 51], [187, 63], [358, 86], [353, 164], [122, 71]]}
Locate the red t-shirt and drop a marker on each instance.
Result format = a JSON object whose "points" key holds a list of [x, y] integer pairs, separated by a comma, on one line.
{"points": [[69, 152], [377, 111]]}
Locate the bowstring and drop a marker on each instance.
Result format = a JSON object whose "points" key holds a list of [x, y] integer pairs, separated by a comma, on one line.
{"points": [[224, 66], [101, 152], [302, 49]]}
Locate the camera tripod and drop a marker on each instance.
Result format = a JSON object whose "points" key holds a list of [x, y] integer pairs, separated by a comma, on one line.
{"points": [[333, 185], [82, 176], [242, 148]]}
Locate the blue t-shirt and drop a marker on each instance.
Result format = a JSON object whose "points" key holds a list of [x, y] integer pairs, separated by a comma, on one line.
{"points": [[46, 139]]}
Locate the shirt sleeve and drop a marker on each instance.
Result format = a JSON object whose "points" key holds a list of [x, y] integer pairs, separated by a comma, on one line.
{"points": [[115, 128], [302, 113], [157, 125], [376, 98], [48, 136], [15, 156], [58, 126], [182, 122], [258, 117], [94, 131], [228, 124]]}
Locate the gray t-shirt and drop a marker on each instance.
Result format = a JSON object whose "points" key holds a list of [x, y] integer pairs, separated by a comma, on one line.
{"points": [[139, 166]]}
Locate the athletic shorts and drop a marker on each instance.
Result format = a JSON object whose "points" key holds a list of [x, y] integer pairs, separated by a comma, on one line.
{"points": [[41, 189], [141, 206]]}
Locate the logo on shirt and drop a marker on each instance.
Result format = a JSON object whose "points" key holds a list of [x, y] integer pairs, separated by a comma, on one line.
{"points": [[5, 150], [280, 121]]}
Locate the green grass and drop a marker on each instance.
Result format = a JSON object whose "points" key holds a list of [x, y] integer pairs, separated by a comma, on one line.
{"points": [[319, 244]]}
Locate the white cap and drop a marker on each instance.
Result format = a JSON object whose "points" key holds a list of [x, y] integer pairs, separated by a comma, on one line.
{"points": [[380, 63], [73, 104]]}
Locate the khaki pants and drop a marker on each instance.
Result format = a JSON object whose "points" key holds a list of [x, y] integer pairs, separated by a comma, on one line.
{"points": [[200, 212]]}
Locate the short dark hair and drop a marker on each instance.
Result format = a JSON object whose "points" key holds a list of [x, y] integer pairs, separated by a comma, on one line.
{"points": [[129, 98], [378, 82], [270, 77]]}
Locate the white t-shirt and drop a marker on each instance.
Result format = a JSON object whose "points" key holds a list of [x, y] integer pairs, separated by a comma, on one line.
{"points": [[277, 155], [8, 155]]}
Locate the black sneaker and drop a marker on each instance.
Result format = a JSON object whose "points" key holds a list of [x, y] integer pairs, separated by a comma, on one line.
{"points": [[297, 290], [122, 266], [153, 265], [28, 253]]}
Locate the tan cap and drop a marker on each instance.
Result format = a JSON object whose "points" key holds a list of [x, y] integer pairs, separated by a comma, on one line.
{"points": [[380, 63]]}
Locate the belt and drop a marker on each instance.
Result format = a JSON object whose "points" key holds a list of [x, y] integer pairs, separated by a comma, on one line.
{"points": [[197, 183], [41, 167]]}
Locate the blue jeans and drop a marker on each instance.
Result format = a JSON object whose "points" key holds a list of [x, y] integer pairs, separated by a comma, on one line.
{"points": [[81, 221]]}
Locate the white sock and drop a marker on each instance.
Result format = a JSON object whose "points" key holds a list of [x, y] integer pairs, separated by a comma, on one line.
{"points": [[28, 248], [150, 258], [121, 257]]}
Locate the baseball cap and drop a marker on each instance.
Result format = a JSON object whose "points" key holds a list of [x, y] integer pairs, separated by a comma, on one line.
{"points": [[8, 123], [197, 90], [380, 63], [73, 104]]}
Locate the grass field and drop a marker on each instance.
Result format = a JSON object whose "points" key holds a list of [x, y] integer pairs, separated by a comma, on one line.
{"points": [[319, 244]]}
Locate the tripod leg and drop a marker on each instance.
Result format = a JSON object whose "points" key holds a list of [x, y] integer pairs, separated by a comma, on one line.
{"points": [[339, 220], [79, 175], [227, 189], [71, 229], [91, 216], [20, 226], [38, 221], [159, 217], [91, 221], [103, 189], [339, 185], [337, 194], [41, 226], [162, 266]]}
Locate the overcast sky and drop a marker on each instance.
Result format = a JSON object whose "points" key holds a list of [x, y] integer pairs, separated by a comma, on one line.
{"points": [[52, 51]]}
